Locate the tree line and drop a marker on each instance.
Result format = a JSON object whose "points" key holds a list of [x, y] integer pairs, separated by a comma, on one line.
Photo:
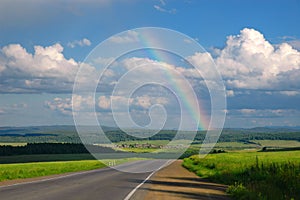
{"points": [[52, 148]]}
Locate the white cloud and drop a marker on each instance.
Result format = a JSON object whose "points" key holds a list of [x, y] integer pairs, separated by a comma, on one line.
{"points": [[290, 93], [80, 102], [146, 101], [131, 36], [86, 103], [161, 9], [82, 43], [64, 106], [249, 61], [67, 105], [46, 70], [265, 113], [229, 93], [143, 102], [104, 102], [263, 117], [13, 108], [295, 43]]}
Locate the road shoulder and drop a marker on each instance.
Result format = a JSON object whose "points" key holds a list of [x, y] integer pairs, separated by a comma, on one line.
{"points": [[175, 182]]}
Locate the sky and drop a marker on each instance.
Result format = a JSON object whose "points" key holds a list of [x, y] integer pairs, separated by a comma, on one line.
{"points": [[254, 45]]}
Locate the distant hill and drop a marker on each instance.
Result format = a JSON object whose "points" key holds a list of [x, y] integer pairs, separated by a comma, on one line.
{"points": [[68, 134], [47, 129], [266, 129]]}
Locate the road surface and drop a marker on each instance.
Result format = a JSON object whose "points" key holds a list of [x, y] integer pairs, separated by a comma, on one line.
{"points": [[106, 183]]}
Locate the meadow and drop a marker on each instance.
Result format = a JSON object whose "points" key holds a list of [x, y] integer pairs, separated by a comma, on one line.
{"points": [[44, 158], [253, 145], [252, 175], [37, 169]]}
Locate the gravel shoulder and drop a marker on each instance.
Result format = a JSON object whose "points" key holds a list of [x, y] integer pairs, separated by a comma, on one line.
{"points": [[174, 182]]}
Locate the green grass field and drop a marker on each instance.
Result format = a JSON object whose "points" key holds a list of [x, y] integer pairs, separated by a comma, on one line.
{"points": [[278, 143], [227, 146], [29, 170], [37, 169], [155, 142], [236, 168], [252, 175], [44, 158]]}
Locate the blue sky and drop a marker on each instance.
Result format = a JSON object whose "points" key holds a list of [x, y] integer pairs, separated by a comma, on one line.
{"points": [[255, 45]]}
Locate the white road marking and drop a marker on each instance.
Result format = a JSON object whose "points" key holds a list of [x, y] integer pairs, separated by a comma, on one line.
{"points": [[137, 187]]}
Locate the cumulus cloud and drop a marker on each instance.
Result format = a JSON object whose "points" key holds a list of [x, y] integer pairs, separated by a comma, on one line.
{"points": [[67, 105], [290, 93], [263, 117], [229, 93], [131, 36], [143, 102], [13, 108], [81, 43], [63, 106], [295, 44], [103, 103], [249, 61], [265, 113], [45, 70]]}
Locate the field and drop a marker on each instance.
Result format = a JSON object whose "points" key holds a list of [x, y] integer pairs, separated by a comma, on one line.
{"points": [[44, 158], [29, 170], [37, 169], [252, 175], [253, 145], [277, 143]]}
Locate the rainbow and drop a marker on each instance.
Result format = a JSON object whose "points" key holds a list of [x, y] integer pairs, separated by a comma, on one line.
{"points": [[199, 118]]}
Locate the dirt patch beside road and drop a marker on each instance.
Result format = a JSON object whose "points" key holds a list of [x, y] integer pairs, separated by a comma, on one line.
{"points": [[174, 182]]}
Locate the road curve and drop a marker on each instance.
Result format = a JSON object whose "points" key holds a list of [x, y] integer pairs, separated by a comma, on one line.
{"points": [[106, 183]]}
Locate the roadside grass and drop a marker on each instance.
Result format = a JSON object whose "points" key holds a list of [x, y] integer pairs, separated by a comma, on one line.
{"points": [[252, 175], [37, 169], [44, 158], [30, 170]]}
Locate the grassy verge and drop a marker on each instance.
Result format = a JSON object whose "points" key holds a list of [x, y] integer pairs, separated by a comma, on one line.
{"points": [[30, 170], [252, 175], [44, 158]]}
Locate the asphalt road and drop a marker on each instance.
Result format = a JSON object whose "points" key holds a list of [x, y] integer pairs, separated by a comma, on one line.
{"points": [[106, 183]]}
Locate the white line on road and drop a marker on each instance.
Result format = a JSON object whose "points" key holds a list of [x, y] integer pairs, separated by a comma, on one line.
{"points": [[137, 187]]}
